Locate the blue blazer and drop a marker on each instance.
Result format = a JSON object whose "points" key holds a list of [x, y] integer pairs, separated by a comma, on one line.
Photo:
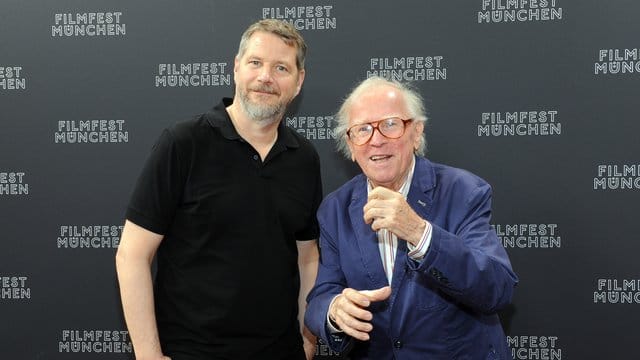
{"points": [[442, 307]]}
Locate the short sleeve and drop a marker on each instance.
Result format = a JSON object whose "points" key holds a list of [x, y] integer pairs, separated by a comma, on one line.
{"points": [[159, 187], [312, 231]]}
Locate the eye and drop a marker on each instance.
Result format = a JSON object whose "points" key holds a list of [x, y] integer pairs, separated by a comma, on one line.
{"points": [[362, 129], [391, 123], [254, 63], [282, 68]]}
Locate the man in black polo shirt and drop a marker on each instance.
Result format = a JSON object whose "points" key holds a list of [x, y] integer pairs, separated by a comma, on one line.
{"points": [[227, 203]]}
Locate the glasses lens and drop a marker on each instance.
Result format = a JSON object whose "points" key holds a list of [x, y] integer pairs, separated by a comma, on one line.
{"points": [[392, 128], [359, 134]]}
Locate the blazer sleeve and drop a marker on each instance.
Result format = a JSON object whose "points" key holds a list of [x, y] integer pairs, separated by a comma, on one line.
{"points": [[330, 282], [465, 258]]}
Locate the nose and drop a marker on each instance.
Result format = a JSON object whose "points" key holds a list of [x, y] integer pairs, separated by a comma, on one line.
{"points": [[265, 75], [376, 137]]}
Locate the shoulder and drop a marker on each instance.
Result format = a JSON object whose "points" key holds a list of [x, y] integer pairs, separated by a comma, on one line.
{"points": [[294, 138], [189, 129], [457, 175], [301, 145], [346, 193], [181, 139], [450, 179], [188, 135], [452, 175]]}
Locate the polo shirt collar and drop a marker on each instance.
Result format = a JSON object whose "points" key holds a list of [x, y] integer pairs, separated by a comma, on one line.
{"points": [[218, 117]]}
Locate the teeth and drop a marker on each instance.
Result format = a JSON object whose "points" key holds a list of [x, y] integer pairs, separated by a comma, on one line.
{"points": [[377, 157]]}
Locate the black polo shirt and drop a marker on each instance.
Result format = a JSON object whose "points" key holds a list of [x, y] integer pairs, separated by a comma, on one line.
{"points": [[227, 280]]}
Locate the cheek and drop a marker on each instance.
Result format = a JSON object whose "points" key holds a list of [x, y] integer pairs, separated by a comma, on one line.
{"points": [[358, 156], [353, 154], [292, 88]]}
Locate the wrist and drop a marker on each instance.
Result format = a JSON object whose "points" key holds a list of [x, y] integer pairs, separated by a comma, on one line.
{"points": [[333, 324]]}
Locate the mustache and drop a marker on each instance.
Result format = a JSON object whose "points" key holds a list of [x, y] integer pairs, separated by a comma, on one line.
{"points": [[264, 88]]}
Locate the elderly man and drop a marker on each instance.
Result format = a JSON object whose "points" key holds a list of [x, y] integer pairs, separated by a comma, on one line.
{"points": [[410, 267]]}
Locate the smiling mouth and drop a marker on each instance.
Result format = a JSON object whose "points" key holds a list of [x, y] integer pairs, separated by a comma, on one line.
{"points": [[263, 95], [264, 91], [379, 157]]}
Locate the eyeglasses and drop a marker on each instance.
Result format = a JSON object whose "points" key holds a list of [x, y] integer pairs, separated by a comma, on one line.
{"points": [[391, 128]]}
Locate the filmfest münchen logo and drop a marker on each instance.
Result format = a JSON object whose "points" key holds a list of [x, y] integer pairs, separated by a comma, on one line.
{"points": [[617, 61], [89, 236], [617, 177], [617, 291], [535, 347], [91, 131], [313, 127], [499, 11], [94, 341], [308, 17], [14, 288], [12, 78], [528, 236], [539, 122], [408, 68], [13, 183], [91, 24], [324, 350], [193, 75]]}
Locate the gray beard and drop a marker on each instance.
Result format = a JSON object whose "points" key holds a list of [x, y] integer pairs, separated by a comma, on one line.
{"points": [[264, 114]]}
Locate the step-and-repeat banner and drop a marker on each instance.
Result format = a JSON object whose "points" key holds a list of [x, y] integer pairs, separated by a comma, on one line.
{"points": [[539, 97]]}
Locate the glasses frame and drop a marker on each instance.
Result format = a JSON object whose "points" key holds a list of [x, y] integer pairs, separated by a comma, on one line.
{"points": [[375, 125]]}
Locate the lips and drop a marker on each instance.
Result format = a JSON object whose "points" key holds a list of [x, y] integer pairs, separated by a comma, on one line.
{"points": [[265, 90], [379, 157]]}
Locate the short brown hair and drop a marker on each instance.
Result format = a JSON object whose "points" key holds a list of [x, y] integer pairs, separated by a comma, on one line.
{"points": [[285, 30]]}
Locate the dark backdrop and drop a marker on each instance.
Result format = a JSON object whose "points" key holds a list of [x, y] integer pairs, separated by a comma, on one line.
{"points": [[538, 97]]}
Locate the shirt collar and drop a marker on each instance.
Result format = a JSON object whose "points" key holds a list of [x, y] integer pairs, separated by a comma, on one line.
{"points": [[218, 117]]}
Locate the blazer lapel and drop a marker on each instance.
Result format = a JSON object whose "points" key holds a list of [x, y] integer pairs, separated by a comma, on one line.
{"points": [[420, 198], [399, 268], [366, 238]]}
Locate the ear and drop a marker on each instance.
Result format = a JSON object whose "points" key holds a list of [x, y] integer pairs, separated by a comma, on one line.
{"points": [[419, 129], [301, 74], [236, 64], [350, 145]]}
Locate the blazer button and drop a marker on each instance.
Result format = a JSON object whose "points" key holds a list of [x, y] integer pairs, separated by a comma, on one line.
{"points": [[397, 344]]}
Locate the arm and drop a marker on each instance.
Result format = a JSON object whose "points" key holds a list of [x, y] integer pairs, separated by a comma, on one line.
{"points": [[308, 267], [466, 260], [133, 264]]}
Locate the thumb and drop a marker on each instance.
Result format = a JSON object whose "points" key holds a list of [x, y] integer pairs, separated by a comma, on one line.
{"points": [[377, 294]]}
